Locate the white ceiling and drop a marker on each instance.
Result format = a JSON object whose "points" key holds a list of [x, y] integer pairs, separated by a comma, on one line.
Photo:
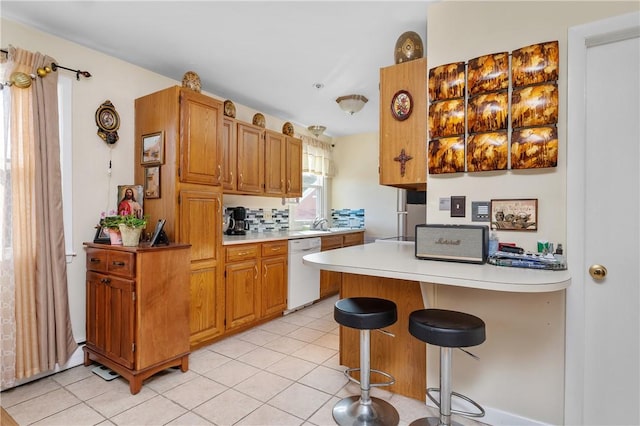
{"points": [[265, 55]]}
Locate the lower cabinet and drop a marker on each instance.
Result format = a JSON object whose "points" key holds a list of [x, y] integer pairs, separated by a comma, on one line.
{"points": [[255, 282], [137, 309], [330, 281]]}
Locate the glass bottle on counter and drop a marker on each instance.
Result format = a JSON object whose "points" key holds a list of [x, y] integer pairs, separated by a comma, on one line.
{"points": [[493, 243]]}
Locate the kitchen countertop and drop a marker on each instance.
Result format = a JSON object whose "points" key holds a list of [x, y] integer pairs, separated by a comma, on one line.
{"points": [[397, 260], [259, 237]]}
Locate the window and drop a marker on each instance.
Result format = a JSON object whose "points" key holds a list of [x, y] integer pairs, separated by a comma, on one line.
{"points": [[312, 202]]}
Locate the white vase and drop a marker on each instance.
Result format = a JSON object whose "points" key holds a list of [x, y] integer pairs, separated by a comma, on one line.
{"points": [[130, 236]]}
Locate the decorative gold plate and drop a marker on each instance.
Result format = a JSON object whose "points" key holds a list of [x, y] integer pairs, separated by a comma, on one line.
{"points": [[258, 120], [229, 109], [287, 129]]}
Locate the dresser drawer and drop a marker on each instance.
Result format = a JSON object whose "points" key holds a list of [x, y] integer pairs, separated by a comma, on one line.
{"points": [[121, 263], [241, 252], [274, 248], [97, 260]]}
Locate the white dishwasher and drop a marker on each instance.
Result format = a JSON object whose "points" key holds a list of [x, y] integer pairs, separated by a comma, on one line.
{"points": [[304, 280]]}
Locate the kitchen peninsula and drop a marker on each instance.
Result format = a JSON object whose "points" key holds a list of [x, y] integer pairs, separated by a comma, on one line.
{"points": [[525, 346]]}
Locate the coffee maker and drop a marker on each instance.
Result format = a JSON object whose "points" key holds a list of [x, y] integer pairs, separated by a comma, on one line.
{"points": [[237, 224]]}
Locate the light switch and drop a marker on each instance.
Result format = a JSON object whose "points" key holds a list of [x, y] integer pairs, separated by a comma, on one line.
{"points": [[458, 206]]}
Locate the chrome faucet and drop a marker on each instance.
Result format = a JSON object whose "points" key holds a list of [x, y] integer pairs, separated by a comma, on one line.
{"points": [[318, 223]]}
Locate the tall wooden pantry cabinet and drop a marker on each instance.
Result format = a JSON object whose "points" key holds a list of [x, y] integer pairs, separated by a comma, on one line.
{"points": [[189, 196]]}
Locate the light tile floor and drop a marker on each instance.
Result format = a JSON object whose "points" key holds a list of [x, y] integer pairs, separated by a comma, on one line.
{"points": [[284, 372]]}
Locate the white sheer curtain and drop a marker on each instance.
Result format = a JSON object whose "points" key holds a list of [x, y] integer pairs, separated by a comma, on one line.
{"points": [[317, 157]]}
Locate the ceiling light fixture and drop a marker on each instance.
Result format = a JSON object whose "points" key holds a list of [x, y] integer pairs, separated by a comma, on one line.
{"points": [[317, 130], [352, 103]]}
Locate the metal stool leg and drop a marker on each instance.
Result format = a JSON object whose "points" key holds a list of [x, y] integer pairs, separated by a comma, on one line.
{"points": [[364, 409]]}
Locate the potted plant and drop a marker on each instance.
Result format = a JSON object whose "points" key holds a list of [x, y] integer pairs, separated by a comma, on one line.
{"points": [[131, 227], [112, 223]]}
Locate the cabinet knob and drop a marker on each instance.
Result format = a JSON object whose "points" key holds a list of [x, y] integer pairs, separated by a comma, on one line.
{"points": [[105, 280], [94, 260], [256, 269], [116, 263]]}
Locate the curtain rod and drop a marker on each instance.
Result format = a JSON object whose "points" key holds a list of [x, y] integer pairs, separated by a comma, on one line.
{"points": [[54, 67]]}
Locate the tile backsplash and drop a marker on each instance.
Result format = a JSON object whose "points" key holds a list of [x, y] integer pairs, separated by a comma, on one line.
{"points": [[347, 218], [266, 220]]}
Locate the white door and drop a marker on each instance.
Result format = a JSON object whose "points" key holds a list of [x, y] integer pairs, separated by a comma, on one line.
{"points": [[603, 221]]}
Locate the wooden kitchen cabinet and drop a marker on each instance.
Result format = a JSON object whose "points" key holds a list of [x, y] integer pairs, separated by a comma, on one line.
{"points": [[331, 281], [294, 167], [137, 309], [273, 287], [275, 157], [250, 145], [408, 136], [242, 281], [228, 155], [190, 193]]}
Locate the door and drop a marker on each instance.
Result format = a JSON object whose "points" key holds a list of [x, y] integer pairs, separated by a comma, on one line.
{"points": [[250, 158], [274, 163], [242, 282], [603, 331], [294, 167], [274, 285]]}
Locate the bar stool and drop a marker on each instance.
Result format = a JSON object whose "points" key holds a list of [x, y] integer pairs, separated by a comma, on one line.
{"points": [[447, 329], [365, 314]]}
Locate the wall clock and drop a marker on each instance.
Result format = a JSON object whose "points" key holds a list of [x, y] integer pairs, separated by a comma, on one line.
{"points": [[401, 105], [108, 122]]}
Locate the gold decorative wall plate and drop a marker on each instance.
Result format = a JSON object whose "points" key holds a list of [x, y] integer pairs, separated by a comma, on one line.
{"points": [[229, 109], [259, 120], [191, 80], [287, 129], [401, 105]]}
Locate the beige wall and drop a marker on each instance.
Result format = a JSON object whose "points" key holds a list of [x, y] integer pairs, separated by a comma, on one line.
{"points": [[525, 332], [356, 185]]}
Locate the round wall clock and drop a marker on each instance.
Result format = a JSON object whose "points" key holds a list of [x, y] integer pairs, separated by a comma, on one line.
{"points": [[401, 105], [108, 122]]}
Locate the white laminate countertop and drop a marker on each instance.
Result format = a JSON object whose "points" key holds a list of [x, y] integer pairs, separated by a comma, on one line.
{"points": [[259, 237], [397, 260]]}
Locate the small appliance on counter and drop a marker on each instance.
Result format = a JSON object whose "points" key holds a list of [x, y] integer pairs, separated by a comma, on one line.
{"points": [[237, 224]]}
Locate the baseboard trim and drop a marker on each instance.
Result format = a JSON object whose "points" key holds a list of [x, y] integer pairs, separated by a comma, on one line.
{"points": [[496, 417]]}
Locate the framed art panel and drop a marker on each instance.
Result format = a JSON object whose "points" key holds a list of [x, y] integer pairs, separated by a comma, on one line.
{"points": [[488, 73], [487, 151], [535, 64], [446, 82], [446, 155], [152, 182], [488, 112], [130, 200], [446, 118], [514, 215], [535, 147], [534, 106], [152, 149]]}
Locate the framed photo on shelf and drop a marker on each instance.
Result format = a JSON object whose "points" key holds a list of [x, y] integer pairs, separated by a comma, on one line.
{"points": [[514, 215], [102, 235], [152, 149], [152, 182]]}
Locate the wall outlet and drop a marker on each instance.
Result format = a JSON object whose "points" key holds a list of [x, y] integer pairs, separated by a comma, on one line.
{"points": [[267, 215]]}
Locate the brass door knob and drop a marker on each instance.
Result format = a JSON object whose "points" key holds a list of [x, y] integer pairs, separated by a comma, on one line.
{"points": [[597, 272]]}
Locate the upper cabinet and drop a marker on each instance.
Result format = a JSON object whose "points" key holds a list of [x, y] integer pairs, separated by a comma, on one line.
{"points": [[283, 165], [250, 143], [403, 125], [294, 167], [200, 130]]}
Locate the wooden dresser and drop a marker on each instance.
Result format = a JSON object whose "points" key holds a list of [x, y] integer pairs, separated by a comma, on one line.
{"points": [[137, 309]]}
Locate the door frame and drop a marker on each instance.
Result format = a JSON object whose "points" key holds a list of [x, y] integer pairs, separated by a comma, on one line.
{"points": [[580, 38]]}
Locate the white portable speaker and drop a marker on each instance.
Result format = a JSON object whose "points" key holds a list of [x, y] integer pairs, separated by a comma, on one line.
{"points": [[453, 243]]}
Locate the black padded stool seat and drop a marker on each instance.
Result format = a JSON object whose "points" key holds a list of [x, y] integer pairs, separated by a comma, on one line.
{"points": [[365, 313], [449, 330], [445, 328]]}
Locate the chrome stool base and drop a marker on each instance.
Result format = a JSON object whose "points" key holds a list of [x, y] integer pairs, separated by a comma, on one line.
{"points": [[377, 412], [480, 412], [431, 421]]}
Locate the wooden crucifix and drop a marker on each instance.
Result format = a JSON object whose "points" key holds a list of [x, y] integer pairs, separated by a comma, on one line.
{"points": [[402, 159]]}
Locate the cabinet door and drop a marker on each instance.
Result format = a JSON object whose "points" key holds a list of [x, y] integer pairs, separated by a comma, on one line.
{"points": [[294, 167], [409, 135], [228, 155], [275, 152], [200, 226], [200, 131], [250, 158], [242, 304], [111, 316], [274, 285]]}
